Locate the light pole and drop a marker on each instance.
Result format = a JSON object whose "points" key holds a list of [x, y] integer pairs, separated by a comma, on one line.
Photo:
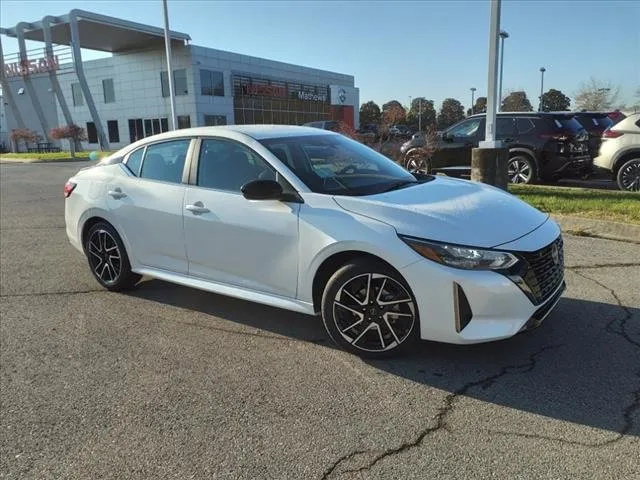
{"points": [[503, 35], [420, 114], [542, 70], [167, 46], [473, 94]]}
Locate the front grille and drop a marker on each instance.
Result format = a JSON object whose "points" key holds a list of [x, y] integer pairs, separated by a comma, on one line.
{"points": [[545, 270]]}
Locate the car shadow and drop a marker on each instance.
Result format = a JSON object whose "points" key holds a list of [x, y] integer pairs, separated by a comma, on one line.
{"points": [[580, 366]]}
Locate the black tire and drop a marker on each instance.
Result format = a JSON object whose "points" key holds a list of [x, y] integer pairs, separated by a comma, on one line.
{"points": [[522, 169], [108, 258], [418, 163], [628, 177], [368, 325]]}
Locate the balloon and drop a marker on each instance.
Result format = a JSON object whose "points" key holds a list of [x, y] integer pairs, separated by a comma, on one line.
{"points": [[93, 155]]}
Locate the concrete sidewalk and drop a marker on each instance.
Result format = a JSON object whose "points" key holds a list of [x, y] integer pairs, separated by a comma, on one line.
{"points": [[626, 232]]}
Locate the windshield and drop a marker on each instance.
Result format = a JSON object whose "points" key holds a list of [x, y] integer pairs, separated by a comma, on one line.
{"points": [[337, 165]]}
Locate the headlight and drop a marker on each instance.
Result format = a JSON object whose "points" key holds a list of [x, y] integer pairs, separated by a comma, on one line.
{"points": [[467, 258]]}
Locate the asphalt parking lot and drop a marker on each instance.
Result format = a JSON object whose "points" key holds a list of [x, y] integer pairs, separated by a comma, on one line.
{"points": [[166, 382]]}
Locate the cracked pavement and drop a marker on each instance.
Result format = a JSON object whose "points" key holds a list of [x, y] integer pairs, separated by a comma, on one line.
{"points": [[172, 383]]}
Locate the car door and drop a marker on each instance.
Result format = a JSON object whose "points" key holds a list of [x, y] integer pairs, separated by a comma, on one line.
{"points": [[147, 201], [454, 148], [506, 130], [232, 240]]}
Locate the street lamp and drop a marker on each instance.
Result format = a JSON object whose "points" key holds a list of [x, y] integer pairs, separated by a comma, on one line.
{"points": [[503, 35], [473, 94], [542, 70]]}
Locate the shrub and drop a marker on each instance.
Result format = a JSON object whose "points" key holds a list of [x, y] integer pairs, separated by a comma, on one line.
{"points": [[73, 133], [25, 135]]}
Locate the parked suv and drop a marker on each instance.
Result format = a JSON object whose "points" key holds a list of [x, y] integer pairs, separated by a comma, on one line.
{"points": [[542, 145], [620, 153], [594, 123]]}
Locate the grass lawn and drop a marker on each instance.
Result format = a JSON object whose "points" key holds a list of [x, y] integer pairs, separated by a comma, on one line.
{"points": [[582, 202], [54, 157]]}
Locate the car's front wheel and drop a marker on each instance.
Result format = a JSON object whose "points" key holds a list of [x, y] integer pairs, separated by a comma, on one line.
{"points": [[629, 176], [521, 169], [108, 258], [368, 309]]}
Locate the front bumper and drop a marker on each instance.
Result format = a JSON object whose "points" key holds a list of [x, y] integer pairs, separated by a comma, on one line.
{"points": [[466, 306]]}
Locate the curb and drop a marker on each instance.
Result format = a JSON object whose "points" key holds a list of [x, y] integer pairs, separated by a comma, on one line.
{"points": [[588, 227]]}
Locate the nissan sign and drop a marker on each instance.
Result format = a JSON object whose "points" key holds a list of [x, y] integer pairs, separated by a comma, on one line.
{"points": [[25, 68]]}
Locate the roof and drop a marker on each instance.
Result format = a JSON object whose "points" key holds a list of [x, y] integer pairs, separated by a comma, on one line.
{"points": [[98, 32], [526, 114]]}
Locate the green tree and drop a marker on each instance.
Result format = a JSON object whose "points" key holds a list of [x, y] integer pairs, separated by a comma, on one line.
{"points": [[393, 113], [516, 102], [555, 101], [369, 113], [479, 107], [420, 104], [596, 95], [451, 112]]}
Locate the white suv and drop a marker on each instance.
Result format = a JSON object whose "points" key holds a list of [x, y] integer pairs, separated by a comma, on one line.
{"points": [[620, 153]]}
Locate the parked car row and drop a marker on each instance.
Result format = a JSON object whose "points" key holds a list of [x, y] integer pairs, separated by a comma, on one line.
{"points": [[543, 146]]}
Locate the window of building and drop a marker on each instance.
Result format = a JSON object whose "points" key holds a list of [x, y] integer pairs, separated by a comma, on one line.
{"points": [[108, 90], [76, 93], [213, 120], [211, 83], [134, 161], [165, 161], [114, 134], [92, 133], [179, 82], [184, 121], [135, 130]]}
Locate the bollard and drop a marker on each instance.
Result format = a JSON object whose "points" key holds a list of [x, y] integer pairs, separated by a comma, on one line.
{"points": [[489, 165]]}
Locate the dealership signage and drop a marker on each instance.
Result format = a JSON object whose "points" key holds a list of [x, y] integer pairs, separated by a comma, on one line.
{"points": [[265, 90], [314, 97], [25, 68]]}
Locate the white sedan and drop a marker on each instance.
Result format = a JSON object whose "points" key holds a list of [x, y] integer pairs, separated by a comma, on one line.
{"points": [[314, 222]]}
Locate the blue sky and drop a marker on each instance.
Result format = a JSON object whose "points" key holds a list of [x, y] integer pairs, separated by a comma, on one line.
{"points": [[398, 49]]}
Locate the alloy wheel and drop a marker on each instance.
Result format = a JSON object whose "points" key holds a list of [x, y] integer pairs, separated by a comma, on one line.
{"points": [[519, 171], [630, 176], [104, 256], [418, 164], [373, 312]]}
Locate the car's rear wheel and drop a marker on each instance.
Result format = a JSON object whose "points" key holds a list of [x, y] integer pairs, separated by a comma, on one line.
{"points": [[629, 176], [108, 258], [418, 164], [521, 169], [368, 309]]}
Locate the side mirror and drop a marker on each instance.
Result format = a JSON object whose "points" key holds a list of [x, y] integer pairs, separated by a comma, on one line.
{"points": [[447, 137], [262, 190]]}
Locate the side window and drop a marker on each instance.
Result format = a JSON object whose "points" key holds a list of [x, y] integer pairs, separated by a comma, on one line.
{"points": [[165, 161], [525, 125], [134, 161], [505, 127], [228, 165], [465, 129]]}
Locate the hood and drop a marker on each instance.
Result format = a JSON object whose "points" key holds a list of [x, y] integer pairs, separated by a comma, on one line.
{"points": [[450, 210]]}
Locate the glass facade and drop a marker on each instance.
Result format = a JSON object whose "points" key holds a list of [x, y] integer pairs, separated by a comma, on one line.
{"points": [[262, 101]]}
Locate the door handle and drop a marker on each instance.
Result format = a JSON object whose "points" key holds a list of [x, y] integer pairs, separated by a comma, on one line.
{"points": [[197, 208], [508, 140], [117, 193]]}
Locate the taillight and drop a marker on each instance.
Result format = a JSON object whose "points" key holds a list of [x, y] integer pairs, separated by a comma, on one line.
{"points": [[68, 189], [611, 134]]}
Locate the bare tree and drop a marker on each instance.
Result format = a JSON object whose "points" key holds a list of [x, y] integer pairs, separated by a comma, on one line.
{"points": [[596, 95]]}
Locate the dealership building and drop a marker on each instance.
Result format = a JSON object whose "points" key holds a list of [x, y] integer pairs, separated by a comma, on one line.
{"points": [[125, 97]]}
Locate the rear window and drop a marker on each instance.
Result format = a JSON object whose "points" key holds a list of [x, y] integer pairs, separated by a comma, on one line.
{"points": [[605, 122], [567, 124]]}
